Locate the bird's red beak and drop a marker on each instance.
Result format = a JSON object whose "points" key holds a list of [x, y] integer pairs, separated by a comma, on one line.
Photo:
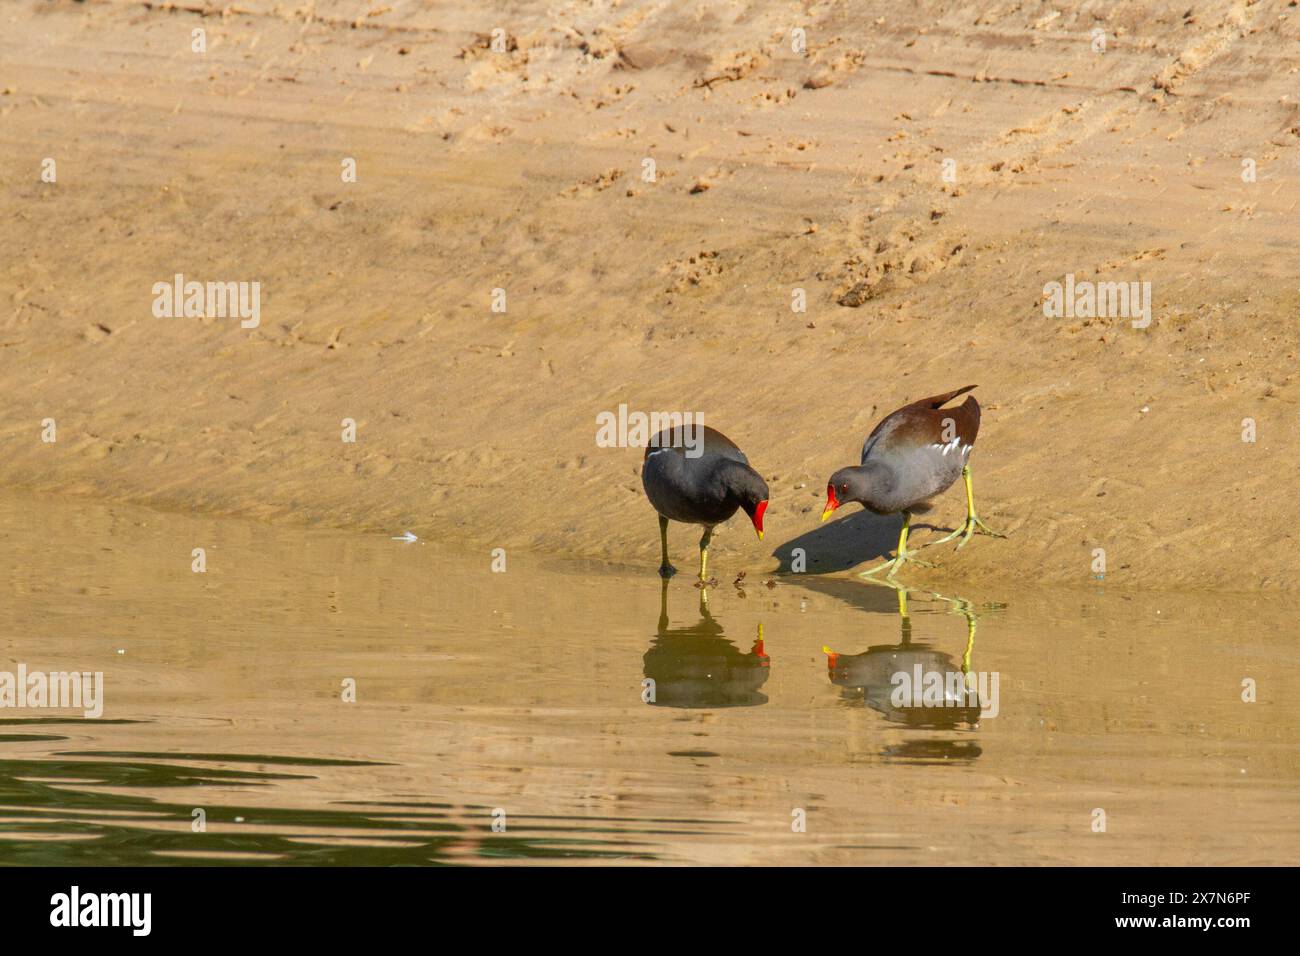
{"points": [[831, 502], [758, 518]]}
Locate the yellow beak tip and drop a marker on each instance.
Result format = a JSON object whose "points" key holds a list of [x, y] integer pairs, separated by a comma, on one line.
{"points": [[827, 513], [760, 536]]}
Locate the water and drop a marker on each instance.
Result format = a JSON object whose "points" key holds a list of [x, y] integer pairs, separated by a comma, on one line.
{"points": [[523, 692]]}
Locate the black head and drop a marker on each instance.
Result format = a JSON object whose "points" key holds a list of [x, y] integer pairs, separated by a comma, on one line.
{"points": [[847, 484], [747, 487]]}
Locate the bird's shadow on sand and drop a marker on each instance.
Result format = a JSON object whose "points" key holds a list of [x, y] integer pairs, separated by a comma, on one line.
{"points": [[857, 539], [880, 599]]}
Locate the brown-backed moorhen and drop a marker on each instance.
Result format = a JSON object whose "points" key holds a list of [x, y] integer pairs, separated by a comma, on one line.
{"points": [[912, 455], [704, 488]]}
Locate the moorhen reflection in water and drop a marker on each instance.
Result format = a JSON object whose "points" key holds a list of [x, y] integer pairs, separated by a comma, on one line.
{"points": [[696, 666], [912, 683]]}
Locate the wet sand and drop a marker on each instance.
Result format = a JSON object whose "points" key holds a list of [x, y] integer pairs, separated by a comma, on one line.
{"points": [[776, 171], [523, 692]]}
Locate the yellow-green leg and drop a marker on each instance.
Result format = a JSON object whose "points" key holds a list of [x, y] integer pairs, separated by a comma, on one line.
{"points": [[704, 553], [666, 570], [903, 554], [973, 523]]}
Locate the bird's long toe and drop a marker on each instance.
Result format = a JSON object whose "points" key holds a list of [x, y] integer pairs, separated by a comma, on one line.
{"points": [[957, 533], [982, 528], [973, 527], [906, 558], [893, 564]]}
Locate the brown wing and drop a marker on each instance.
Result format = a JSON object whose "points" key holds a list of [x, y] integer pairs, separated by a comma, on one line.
{"points": [[924, 423]]}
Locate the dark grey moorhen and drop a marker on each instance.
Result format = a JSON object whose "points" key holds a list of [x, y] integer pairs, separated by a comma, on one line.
{"points": [[911, 456], [704, 489]]}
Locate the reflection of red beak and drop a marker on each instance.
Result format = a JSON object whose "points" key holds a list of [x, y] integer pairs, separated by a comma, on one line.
{"points": [[831, 502], [758, 518]]}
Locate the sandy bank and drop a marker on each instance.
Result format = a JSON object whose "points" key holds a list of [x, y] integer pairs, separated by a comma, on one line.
{"points": [[775, 171]]}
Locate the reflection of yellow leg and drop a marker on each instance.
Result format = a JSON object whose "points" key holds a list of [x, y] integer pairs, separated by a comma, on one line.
{"points": [[905, 622], [972, 684], [973, 523], [903, 554], [970, 642]]}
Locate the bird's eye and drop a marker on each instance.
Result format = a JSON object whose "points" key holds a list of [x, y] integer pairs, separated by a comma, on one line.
{"points": [[844, 487]]}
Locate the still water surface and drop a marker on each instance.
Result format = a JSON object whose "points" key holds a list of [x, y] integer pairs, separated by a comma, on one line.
{"points": [[608, 718]]}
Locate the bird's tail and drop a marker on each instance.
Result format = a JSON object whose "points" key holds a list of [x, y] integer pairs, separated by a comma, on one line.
{"points": [[938, 401]]}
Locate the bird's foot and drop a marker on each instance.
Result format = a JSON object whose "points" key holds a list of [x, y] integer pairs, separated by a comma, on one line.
{"points": [[975, 526], [904, 557], [666, 570], [972, 526]]}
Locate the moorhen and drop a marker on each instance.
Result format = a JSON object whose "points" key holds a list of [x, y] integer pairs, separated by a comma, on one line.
{"points": [[912, 455], [703, 484]]}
